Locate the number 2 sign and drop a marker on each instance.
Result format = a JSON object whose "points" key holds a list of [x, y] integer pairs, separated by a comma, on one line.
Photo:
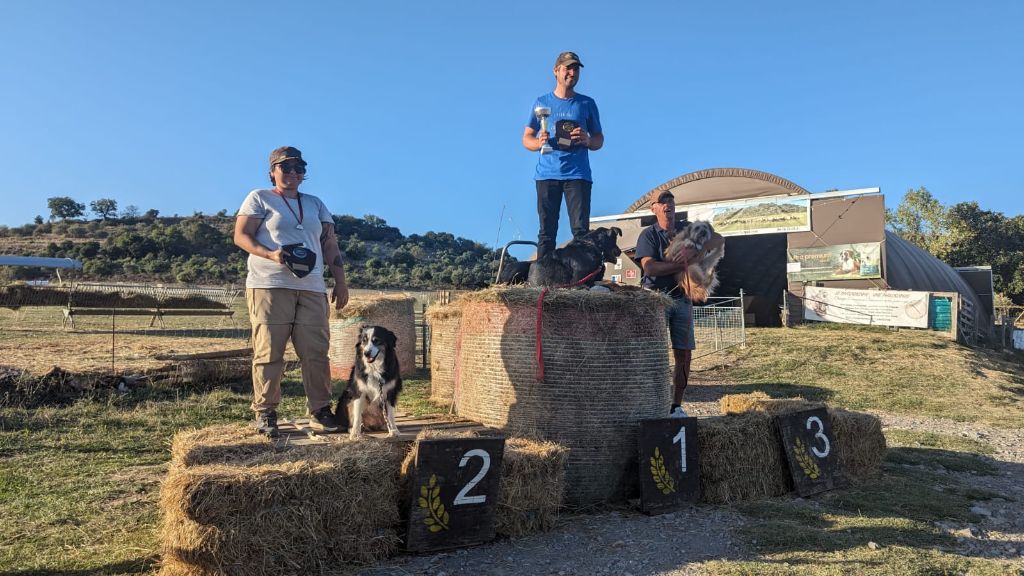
{"points": [[810, 451], [455, 484]]}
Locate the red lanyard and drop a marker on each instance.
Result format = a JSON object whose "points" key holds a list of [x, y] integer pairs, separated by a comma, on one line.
{"points": [[298, 199]]}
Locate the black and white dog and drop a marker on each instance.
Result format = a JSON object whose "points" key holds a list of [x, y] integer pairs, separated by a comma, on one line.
{"points": [[374, 385]]}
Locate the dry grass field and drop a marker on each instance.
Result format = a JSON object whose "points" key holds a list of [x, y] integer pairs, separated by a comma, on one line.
{"points": [[79, 482]]}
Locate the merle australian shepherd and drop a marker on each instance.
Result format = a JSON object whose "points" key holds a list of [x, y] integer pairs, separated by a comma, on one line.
{"points": [[372, 393]]}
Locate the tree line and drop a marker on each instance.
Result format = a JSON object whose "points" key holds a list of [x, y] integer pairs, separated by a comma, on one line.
{"points": [[965, 235], [135, 245]]}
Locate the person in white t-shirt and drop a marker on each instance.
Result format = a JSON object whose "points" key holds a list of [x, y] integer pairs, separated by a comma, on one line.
{"points": [[290, 239]]}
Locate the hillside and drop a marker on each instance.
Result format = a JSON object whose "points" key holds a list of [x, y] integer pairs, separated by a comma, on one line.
{"points": [[198, 249]]}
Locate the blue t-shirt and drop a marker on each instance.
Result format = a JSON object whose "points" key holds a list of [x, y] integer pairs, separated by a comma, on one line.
{"points": [[565, 162]]}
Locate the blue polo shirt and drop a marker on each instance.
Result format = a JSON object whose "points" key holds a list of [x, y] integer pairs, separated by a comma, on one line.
{"points": [[565, 162]]}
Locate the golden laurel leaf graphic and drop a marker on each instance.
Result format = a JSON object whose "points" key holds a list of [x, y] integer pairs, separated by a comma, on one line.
{"points": [[430, 500], [661, 477], [804, 459]]}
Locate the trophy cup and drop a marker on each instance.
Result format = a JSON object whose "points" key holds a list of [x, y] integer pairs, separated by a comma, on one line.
{"points": [[542, 113]]}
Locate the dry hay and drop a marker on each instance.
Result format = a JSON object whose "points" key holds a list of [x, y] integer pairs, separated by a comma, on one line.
{"points": [[860, 443], [606, 368], [532, 482], [741, 458], [396, 313], [308, 509], [58, 387], [218, 444], [444, 335]]}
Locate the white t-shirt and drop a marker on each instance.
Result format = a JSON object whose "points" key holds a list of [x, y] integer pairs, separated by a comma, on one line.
{"points": [[278, 229]]}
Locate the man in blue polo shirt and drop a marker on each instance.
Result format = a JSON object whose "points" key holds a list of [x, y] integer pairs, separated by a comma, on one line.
{"points": [[565, 170]]}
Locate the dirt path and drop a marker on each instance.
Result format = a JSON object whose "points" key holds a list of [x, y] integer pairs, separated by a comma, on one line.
{"points": [[624, 542]]}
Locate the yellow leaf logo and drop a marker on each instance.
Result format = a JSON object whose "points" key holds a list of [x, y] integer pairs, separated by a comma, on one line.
{"points": [[430, 500], [804, 459], [661, 477]]}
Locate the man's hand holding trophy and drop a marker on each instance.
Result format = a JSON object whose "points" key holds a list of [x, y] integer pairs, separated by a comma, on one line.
{"points": [[542, 113]]}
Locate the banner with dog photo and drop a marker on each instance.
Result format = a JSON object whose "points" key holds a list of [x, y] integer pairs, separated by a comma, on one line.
{"points": [[756, 216], [841, 262], [874, 307]]}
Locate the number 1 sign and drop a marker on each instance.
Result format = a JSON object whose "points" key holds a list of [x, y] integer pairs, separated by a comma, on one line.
{"points": [[455, 487], [810, 450], [669, 466]]}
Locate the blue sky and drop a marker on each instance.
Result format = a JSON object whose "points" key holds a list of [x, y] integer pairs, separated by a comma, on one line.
{"points": [[413, 111]]}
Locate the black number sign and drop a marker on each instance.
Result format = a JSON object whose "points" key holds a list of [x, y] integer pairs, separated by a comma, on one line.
{"points": [[669, 464], [810, 450], [455, 487]]}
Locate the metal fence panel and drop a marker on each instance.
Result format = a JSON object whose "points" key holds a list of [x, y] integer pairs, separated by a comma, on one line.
{"points": [[719, 325]]}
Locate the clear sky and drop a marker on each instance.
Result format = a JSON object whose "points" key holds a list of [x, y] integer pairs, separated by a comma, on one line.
{"points": [[413, 111]]}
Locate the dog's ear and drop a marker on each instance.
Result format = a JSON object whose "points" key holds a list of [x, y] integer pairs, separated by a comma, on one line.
{"points": [[617, 231]]}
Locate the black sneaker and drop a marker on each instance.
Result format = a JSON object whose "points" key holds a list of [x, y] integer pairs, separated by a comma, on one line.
{"points": [[266, 423], [323, 419]]}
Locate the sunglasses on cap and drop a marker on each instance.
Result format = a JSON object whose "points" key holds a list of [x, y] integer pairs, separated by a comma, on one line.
{"points": [[292, 168]]}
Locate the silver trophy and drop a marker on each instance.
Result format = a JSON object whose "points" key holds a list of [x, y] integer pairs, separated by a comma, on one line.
{"points": [[542, 113]]}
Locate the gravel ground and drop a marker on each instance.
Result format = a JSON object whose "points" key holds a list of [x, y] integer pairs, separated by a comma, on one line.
{"points": [[624, 542]]}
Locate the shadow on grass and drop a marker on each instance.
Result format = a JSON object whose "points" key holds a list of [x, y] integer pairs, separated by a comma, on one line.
{"points": [[142, 565]]}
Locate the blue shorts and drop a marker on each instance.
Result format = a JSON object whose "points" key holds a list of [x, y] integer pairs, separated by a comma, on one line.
{"points": [[680, 324]]}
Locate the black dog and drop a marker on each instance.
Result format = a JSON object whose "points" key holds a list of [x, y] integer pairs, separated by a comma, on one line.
{"points": [[374, 385], [515, 273], [577, 259]]}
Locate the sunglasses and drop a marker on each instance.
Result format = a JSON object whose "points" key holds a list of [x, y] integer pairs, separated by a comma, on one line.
{"points": [[292, 168]]}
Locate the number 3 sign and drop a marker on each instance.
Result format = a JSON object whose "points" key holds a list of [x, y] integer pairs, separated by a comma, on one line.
{"points": [[807, 439], [454, 490]]}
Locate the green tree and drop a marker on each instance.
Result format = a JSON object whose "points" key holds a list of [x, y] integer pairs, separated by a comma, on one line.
{"points": [[64, 207], [104, 208], [919, 219]]}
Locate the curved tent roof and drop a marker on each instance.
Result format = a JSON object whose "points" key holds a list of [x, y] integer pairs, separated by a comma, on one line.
{"points": [[718, 184], [909, 267]]}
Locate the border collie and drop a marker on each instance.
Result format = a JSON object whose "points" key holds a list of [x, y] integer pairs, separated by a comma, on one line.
{"points": [[373, 387]]}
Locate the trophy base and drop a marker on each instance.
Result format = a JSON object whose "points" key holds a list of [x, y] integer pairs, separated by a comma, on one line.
{"points": [[545, 149]]}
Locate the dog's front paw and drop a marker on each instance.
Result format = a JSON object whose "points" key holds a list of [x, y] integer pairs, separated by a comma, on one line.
{"points": [[393, 433], [354, 435]]}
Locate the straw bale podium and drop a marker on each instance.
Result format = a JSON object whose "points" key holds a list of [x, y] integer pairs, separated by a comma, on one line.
{"points": [[603, 368]]}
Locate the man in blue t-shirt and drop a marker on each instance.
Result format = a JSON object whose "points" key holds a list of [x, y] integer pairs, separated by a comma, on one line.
{"points": [[565, 170], [660, 275]]}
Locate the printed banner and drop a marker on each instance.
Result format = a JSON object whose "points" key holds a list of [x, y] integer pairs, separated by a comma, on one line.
{"points": [[841, 262], [876, 307], [754, 216]]}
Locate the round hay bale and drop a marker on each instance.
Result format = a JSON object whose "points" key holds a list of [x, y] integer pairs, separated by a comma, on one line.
{"points": [[444, 320], [396, 313], [605, 370], [310, 510]]}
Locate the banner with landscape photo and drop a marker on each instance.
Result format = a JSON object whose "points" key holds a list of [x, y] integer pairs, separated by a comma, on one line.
{"points": [[757, 216]]}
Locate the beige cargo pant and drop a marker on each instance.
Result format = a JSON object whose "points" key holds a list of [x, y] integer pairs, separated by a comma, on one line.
{"points": [[280, 314]]}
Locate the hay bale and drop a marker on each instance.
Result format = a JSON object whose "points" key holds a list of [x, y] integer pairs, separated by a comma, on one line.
{"points": [[532, 482], [304, 510], [444, 332], [605, 370], [761, 402], [396, 313], [741, 458], [219, 444], [860, 443]]}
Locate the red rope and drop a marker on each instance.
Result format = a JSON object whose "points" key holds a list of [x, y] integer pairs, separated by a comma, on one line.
{"points": [[540, 318]]}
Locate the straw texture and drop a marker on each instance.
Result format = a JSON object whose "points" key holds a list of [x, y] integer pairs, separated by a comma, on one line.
{"points": [[444, 322], [605, 370], [396, 313]]}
